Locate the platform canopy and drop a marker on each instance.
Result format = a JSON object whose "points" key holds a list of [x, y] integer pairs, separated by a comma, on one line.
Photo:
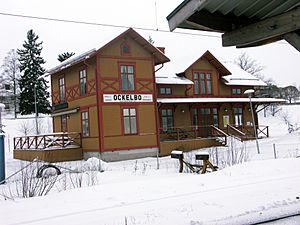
{"points": [[244, 23]]}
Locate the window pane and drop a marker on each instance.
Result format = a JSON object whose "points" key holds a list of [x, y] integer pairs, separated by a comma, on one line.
{"points": [[168, 91], [163, 112], [130, 83], [133, 125], [169, 112], [126, 125], [195, 76], [238, 91], [216, 120], [208, 87], [85, 124], [202, 76], [132, 112], [123, 69], [124, 82], [195, 117], [203, 89], [130, 69], [208, 76], [164, 123], [162, 91], [170, 121], [196, 87], [126, 112]]}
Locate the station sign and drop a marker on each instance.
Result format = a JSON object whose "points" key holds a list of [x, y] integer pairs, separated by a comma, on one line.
{"points": [[127, 98]]}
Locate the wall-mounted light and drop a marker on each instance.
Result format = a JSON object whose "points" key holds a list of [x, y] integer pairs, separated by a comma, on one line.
{"points": [[182, 110], [225, 109]]}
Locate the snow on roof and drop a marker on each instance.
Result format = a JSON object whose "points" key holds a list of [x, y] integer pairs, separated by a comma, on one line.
{"points": [[241, 77], [219, 100], [172, 80], [71, 61]]}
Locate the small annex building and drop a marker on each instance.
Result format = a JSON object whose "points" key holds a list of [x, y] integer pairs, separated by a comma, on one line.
{"points": [[111, 99]]}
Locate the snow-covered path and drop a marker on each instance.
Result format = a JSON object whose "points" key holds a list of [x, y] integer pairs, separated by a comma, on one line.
{"points": [[254, 191]]}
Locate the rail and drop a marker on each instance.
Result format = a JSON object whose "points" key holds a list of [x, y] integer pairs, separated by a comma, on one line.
{"points": [[261, 130], [192, 132], [217, 132], [48, 141], [236, 133]]}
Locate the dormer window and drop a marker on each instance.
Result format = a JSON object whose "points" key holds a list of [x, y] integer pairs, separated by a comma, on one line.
{"points": [[125, 48]]}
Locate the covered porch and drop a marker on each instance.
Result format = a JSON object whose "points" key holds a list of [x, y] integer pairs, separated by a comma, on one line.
{"points": [[54, 147], [192, 123]]}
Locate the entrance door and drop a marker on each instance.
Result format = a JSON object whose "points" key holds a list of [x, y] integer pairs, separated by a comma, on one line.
{"points": [[203, 118]]}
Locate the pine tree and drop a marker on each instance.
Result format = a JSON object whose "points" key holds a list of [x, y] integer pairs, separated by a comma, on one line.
{"points": [[31, 81], [64, 56]]}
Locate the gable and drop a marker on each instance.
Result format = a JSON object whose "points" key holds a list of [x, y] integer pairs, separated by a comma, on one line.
{"points": [[130, 34]]}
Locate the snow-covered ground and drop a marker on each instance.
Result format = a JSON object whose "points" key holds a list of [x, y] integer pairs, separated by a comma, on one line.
{"points": [[136, 192]]}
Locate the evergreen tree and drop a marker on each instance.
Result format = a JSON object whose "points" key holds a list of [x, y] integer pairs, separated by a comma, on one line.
{"points": [[31, 82], [64, 56]]}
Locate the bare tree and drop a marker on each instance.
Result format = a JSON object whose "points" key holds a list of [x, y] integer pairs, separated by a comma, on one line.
{"points": [[11, 72], [250, 65], [25, 128], [290, 93]]}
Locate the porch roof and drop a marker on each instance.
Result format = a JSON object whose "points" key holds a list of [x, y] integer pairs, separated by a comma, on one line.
{"points": [[172, 80], [218, 100], [240, 77]]}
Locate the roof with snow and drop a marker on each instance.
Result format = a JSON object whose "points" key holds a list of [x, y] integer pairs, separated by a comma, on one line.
{"points": [[172, 80], [240, 77], [159, 56], [219, 100], [72, 61]]}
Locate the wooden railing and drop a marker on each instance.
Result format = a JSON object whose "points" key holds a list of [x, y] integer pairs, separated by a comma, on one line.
{"points": [[235, 132], [193, 132], [245, 132], [48, 141], [221, 135]]}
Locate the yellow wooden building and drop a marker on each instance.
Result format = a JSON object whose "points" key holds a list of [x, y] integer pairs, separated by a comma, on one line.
{"points": [[108, 103]]}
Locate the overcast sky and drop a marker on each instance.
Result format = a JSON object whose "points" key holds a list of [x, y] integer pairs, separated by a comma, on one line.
{"points": [[279, 59]]}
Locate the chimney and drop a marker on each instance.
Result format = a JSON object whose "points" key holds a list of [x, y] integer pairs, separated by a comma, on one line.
{"points": [[162, 49]]}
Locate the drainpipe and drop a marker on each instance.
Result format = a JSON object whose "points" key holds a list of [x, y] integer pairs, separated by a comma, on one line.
{"points": [[162, 65]]}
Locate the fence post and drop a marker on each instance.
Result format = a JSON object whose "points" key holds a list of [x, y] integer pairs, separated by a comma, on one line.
{"points": [[275, 156], [2, 159]]}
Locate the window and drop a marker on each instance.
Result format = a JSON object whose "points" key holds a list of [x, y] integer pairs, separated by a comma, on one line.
{"points": [[125, 49], [129, 118], [238, 116], [82, 80], [236, 91], [215, 117], [62, 89], [202, 83], [167, 119], [63, 120], [165, 91], [127, 77], [85, 124]]}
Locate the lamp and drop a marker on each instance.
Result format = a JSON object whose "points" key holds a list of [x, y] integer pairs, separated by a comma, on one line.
{"points": [[182, 110], [249, 92]]}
